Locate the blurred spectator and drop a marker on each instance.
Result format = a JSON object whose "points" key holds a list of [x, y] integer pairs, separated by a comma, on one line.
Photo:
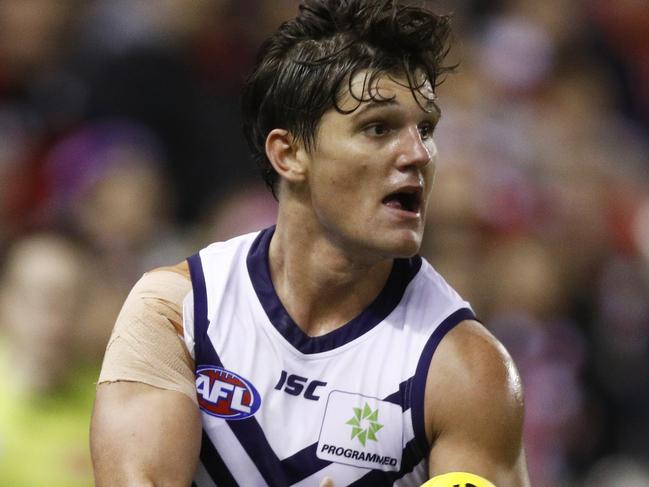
{"points": [[106, 181], [182, 81], [245, 209], [48, 377]]}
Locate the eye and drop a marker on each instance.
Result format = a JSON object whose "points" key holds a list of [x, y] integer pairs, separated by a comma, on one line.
{"points": [[426, 130], [377, 129]]}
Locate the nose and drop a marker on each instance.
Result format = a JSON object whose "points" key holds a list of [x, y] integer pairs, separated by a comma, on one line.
{"points": [[413, 150]]}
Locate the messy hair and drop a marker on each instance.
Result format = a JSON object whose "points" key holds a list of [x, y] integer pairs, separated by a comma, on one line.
{"points": [[303, 68]]}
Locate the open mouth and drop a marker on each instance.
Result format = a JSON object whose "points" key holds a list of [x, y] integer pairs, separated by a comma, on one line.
{"points": [[408, 200]]}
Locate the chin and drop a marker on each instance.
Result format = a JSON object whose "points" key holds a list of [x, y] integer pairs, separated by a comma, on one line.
{"points": [[404, 246], [406, 251], [383, 243]]}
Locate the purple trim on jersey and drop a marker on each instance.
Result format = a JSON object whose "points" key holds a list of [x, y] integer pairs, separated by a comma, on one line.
{"points": [[248, 432], [403, 271], [254, 441], [204, 353], [303, 464], [421, 374], [215, 465], [402, 396], [409, 460]]}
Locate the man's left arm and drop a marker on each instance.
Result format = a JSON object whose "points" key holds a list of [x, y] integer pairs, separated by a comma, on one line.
{"points": [[474, 408]]}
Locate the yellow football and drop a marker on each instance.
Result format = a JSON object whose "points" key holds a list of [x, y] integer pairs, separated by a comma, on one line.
{"points": [[458, 479]]}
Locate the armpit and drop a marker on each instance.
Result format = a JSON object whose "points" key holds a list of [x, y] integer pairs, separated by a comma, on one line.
{"points": [[147, 341]]}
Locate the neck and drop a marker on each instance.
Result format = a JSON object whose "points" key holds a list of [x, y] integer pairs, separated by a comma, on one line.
{"points": [[321, 284]]}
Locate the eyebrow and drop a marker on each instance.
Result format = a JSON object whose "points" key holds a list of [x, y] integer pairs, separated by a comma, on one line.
{"points": [[374, 105], [430, 107]]}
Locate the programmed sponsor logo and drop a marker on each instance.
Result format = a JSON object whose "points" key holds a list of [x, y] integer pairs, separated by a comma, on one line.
{"points": [[361, 456], [361, 431], [224, 394]]}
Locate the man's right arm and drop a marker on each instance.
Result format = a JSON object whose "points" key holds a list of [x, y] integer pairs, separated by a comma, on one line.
{"points": [[146, 427]]}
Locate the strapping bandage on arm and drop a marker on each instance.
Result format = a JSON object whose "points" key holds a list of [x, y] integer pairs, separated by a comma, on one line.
{"points": [[147, 344], [458, 479]]}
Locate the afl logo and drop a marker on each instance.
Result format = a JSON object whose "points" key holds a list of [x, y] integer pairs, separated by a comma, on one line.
{"points": [[225, 394]]}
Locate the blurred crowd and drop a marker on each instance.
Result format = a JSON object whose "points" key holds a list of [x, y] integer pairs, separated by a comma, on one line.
{"points": [[121, 150]]}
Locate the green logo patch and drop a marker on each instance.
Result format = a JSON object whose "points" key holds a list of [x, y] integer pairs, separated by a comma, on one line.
{"points": [[365, 424]]}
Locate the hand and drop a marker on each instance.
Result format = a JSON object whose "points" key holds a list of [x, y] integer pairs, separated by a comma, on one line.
{"points": [[327, 482]]}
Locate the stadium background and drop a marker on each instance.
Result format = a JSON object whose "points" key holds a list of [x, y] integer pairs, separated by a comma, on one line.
{"points": [[120, 150]]}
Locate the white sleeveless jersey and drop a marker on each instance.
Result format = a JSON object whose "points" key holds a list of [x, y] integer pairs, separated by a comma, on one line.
{"points": [[280, 408]]}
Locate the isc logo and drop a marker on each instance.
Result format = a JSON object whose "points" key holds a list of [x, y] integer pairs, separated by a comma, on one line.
{"points": [[296, 385], [225, 394]]}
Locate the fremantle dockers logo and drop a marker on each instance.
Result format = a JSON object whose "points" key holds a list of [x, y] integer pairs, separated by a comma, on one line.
{"points": [[224, 394]]}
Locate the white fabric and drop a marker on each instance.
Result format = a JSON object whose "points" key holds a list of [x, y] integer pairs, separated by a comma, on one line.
{"points": [[372, 365]]}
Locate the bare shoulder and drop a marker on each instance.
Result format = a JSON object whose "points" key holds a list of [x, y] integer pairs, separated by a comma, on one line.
{"points": [[474, 405], [166, 279], [182, 269], [471, 370], [147, 343], [470, 360], [156, 298]]}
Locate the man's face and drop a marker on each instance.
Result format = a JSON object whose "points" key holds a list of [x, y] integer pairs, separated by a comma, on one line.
{"points": [[371, 171]]}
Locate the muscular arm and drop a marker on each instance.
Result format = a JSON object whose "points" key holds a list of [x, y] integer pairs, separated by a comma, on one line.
{"points": [[143, 436], [145, 427], [474, 408]]}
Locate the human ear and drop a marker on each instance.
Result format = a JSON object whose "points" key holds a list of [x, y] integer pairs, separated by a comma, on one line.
{"points": [[286, 155]]}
